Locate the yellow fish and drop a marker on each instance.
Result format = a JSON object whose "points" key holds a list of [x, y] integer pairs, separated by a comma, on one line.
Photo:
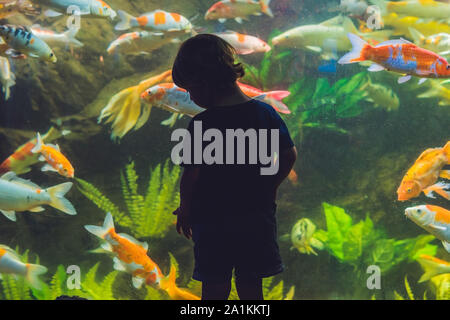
{"points": [[401, 25]]}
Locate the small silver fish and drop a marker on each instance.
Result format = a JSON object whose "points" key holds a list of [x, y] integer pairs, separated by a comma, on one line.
{"points": [[6, 77]]}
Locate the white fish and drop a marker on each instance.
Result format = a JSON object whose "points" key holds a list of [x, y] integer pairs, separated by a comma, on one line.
{"points": [[6, 77], [92, 8], [140, 41], [244, 43], [51, 37], [439, 43], [10, 263], [18, 194]]}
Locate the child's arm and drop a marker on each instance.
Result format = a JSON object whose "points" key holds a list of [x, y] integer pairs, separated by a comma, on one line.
{"points": [[187, 187], [287, 160]]}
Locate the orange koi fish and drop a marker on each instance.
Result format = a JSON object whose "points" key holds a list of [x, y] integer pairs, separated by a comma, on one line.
{"points": [[56, 161], [272, 98], [424, 173], [22, 159], [130, 255], [399, 56], [434, 219], [432, 266], [174, 292], [237, 10], [244, 43], [157, 20]]}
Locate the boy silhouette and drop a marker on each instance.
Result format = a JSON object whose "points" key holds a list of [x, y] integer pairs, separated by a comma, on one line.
{"points": [[229, 208]]}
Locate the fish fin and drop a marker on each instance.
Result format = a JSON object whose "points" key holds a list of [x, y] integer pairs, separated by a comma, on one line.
{"points": [[245, 51], [314, 49], [100, 232], [36, 209], [133, 240], [106, 246], [13, 178], [118, 265], [10, 175], [444, 53], [33, 273], [265, 7], [70, 34], [222, 20], [416, 35], [422, 80], [57, 199], [404, 79], [125, 20], [430, 268], [440, 228], [52, 13], [41, 158], [393, 42], [278, 94], [446, 245], [38, 147], [48, 167], [170, 121], [143, 118], [137, 282], [238, 20], [348, 25], [11, 215], [375, 67], [438, 188], [446, 149], [332, 22], [257, 14], [357, 52]]}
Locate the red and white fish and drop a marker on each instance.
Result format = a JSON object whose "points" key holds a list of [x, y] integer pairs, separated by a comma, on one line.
{"points": [[130, 255], [272, 98], [399, 56], [56, 161], [238, 9], [157, 20], [10, 263], [434, 219], [140, 41], [244, 43], [22, 159]]}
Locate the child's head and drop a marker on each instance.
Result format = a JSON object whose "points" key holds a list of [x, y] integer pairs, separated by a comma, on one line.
{"points": [[205, 66]]}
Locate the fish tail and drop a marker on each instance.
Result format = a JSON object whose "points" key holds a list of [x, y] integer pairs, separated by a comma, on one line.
{"points": [[447, 151], [265, 7], [358, 52], [33, 273], [125, 20], [278, 95], [38, 147], [439, 188], [169, 285], [57, 199], [431, 269], [101, 232], [70, 34]]}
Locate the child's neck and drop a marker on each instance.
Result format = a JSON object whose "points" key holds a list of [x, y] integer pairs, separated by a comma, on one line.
{"points": [[230, 97]]}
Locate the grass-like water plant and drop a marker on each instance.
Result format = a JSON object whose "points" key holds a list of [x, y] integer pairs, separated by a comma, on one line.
{"points": [[148, 215]]}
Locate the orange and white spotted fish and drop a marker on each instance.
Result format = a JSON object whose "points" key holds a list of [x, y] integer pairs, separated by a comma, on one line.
{"points": [[51, 37], [432, 267], [140, 41], [439, 42], [20, 195], [272, 98], [157, 20], [238, 10], [10, 263], [172, 98], [399, 56], [130, 255], [22, 159], [56, 161], [434, 219], [422, 176], [22, 41], [244, 43]]}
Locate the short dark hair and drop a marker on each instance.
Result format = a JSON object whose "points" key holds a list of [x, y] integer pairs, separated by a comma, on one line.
{"points": [[206, 59]]}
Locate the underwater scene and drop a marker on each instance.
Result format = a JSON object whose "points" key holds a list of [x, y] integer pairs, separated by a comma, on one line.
{"points": [[88, 106]]}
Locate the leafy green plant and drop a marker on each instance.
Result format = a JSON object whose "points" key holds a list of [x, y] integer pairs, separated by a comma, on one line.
{"points": [[148, 215], [361, 244], [270, 291], [320, 105]]}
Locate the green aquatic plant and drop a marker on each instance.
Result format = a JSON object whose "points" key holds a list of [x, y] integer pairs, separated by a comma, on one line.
{"points": [[270, 291], [148, 215], [92, 289], [361, 244], [321, 105]]}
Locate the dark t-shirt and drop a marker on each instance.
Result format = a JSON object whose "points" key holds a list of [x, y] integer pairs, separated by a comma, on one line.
{"points": [[226, 192]]}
